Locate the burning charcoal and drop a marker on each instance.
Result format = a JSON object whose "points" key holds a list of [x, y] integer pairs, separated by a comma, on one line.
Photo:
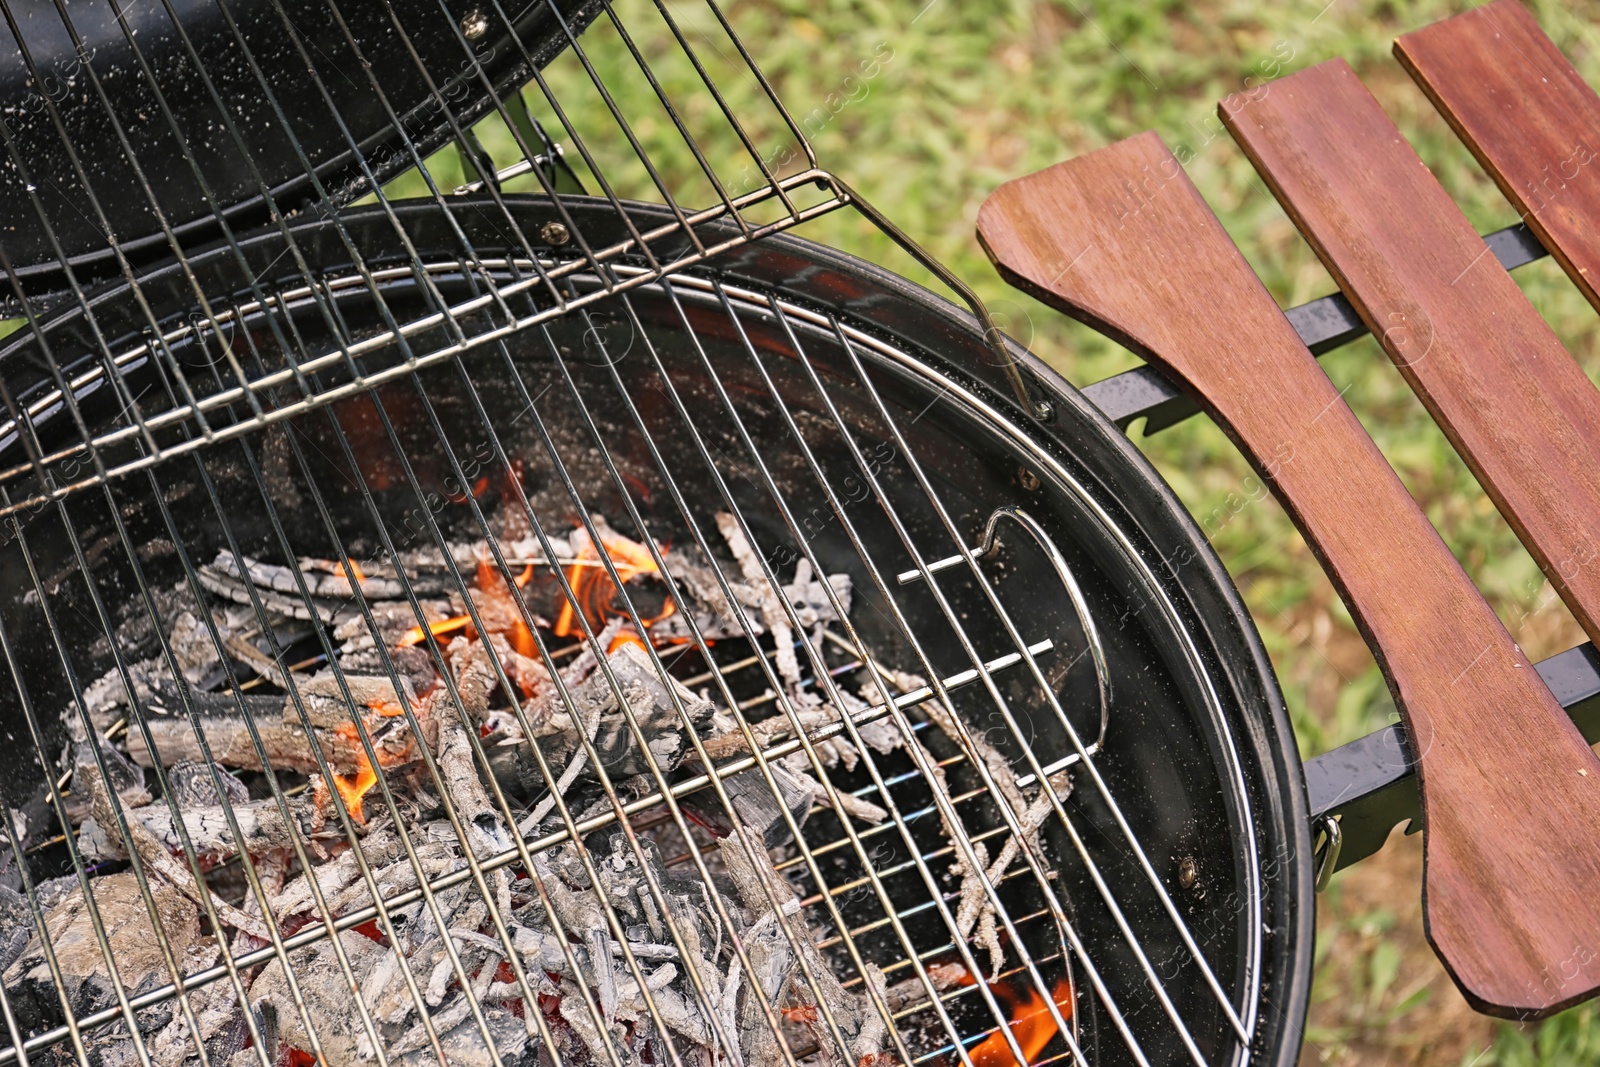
{"points": [[104, 696], [595, 705], [775, 962], [16, 925], [222, 577], [616, 993], [135, 947], [975, 913], [126, 778], [284, 739], [155, 856], [518, 551], [477, 678], [809, 596], [194, 650], [221, 1028], [378, 581], [394, 620], [463, 1043], [758, 808], [728, 740], [261, 826], [479, 817], [766, 599], [583, 664], [192, 786], [880, 735], [340, 879], [713, 615], [160, 698], [327, 997], [909, 992], [748, 791]]}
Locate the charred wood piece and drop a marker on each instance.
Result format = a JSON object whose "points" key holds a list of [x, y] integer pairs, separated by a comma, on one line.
{"points": [[284, 737], [135, 948]]}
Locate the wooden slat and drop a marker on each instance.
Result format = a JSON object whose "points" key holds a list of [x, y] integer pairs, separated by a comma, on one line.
{"points": [[1513, 402], [1511, 793], [1533, 123]]}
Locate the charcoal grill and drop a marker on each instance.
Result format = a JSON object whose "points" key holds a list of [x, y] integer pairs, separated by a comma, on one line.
{"points": [[1050, 638]]}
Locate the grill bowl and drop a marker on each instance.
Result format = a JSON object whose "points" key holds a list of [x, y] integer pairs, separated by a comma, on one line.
{"points": [[782, 342]]}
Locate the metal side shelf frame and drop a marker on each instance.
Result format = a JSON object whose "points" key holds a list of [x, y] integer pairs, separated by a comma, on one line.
{"points": [[1323, 325], [1367, 787]]}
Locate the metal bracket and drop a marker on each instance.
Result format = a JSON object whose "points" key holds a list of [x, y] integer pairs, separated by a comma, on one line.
{"points": [[988, 546], [1327, 856], [1370, 784]]}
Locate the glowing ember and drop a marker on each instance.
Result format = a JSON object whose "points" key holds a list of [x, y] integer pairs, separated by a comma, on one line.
{"points": [[356, 571], [1031, 1025]]}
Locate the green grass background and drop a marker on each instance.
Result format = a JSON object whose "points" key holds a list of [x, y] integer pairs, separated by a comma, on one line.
{"points": [[925, 108]]}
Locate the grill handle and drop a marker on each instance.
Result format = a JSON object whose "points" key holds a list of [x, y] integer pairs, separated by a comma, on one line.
{"points": [[1121, 240]]}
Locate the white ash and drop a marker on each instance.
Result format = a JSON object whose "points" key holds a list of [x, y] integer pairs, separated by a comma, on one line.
{"points": [[765, 599]]}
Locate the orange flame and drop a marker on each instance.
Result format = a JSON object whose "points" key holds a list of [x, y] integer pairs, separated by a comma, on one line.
{"points": [[626, 636], [592, 586], [353, 788], [521, 637], [1031, 1025], [416, 635], [356, 571]]}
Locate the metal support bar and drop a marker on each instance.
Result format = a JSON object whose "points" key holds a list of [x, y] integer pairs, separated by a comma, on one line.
{"points": [[1323, 324], [1370, 785]]}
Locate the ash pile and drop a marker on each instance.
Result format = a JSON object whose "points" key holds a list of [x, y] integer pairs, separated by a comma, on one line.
{"points": [[496, 819]]}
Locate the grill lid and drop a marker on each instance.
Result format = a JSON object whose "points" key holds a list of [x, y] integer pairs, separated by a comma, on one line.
{"points": [[127, 120]]}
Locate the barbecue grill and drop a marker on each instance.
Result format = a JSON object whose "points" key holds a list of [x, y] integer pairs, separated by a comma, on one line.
{"points": [[528, 627]]}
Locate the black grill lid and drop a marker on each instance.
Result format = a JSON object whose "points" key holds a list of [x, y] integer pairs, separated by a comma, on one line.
{"points": [[351, 92]]}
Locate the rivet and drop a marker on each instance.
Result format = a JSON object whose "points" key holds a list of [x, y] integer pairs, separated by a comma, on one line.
{"points": [[1027, 479], [1188, 872], [474, 24], [554, 233]]}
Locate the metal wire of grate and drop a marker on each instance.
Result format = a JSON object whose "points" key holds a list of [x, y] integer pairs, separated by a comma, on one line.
{"points": [[311, 515], [799, 398], [703, 163]]}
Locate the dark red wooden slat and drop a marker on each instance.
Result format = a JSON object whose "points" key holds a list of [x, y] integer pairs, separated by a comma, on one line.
{"points": [[1517, 407], [1511, 793], [1533, 123]]}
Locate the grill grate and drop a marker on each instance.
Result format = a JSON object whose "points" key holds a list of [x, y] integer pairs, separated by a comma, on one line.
{"points": [[686, 344], [234, 449], [704, 160]]}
